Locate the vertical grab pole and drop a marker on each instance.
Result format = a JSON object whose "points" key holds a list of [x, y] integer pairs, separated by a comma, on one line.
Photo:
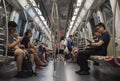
{"points": [[55, 21], [6, 31], [53, 39], [86, 26], [113, 35], [57, 24]]}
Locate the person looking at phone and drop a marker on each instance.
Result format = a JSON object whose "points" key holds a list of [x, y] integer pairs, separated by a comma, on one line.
{"points": [[83, 56]]}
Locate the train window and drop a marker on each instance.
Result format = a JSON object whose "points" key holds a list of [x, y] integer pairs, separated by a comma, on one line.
{"points": [[21, 23], [108, 15], [92, 22], [95, 17]]}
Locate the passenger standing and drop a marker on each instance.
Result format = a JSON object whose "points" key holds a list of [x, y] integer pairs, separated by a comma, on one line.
{"points": [[84, 55], [75, 41], [69, 45], [62, 47]]}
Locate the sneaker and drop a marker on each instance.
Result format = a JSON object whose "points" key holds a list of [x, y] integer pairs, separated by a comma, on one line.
{"points": [[35, 74], [84, 73], [30, 74], [21, 75], [77, 71]]}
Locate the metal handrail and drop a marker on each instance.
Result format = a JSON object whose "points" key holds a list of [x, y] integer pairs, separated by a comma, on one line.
{"points": [[113, 41], [55, 23], [6, 32], [87, 16], [54, 16]]}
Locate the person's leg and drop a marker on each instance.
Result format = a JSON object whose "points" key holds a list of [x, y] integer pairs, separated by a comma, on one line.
{"points": [[19, 53], [79, 59], [60, 52], [82, 60], [70, 53], [36, 57], [62, 55], [32, 58], [44, 60]]}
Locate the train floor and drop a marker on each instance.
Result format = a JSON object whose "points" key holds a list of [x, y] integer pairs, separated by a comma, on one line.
{"points": [[65, 72]]}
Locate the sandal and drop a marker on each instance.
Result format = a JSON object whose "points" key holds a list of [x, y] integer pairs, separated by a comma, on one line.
{"points": [[38, 68], [43, 65]]}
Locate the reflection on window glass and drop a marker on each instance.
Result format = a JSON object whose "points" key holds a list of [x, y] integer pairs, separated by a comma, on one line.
{"points": [[94, 20], [32, 14], [95, 17], [92, 23], [108, 15]]}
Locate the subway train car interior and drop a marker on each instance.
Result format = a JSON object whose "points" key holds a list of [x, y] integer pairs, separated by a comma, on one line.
{"points": [[59, 40]]}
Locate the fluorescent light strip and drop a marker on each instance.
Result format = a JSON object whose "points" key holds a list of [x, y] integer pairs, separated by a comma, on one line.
{"points": [[87, 5], [83, 13], [79, 1]]}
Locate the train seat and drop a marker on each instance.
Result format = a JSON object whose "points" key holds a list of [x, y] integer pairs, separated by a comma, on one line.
{"points": [[109, 60], [8, 59], [97, 58]]}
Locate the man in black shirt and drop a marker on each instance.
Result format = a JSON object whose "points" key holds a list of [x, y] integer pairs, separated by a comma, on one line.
{"points": [[96, 38], [102, 43]]}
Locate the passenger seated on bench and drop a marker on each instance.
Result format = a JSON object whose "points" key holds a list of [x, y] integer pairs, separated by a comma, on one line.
{"points": [[13, 48], [30, 47], [38, 45], [84, 55], [42, 49], [96, 38]]}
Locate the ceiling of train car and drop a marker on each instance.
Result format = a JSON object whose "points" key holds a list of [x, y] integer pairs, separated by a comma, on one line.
{"points": [[65, 10]]}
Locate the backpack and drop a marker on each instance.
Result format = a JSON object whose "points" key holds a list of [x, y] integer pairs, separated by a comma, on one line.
{"points": [[27, 65], [40, 48]]}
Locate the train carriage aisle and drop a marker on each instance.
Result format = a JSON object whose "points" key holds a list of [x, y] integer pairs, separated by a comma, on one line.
{"points": [[65, 71]]}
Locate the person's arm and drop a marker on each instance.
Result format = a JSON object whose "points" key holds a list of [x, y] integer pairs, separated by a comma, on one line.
{"points": [[102, 39], [90, 41], [97, 43], [32, 46], [12, 45]]}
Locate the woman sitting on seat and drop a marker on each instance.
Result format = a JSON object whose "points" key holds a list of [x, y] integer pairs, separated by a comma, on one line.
{"points": [[30, 47]]}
